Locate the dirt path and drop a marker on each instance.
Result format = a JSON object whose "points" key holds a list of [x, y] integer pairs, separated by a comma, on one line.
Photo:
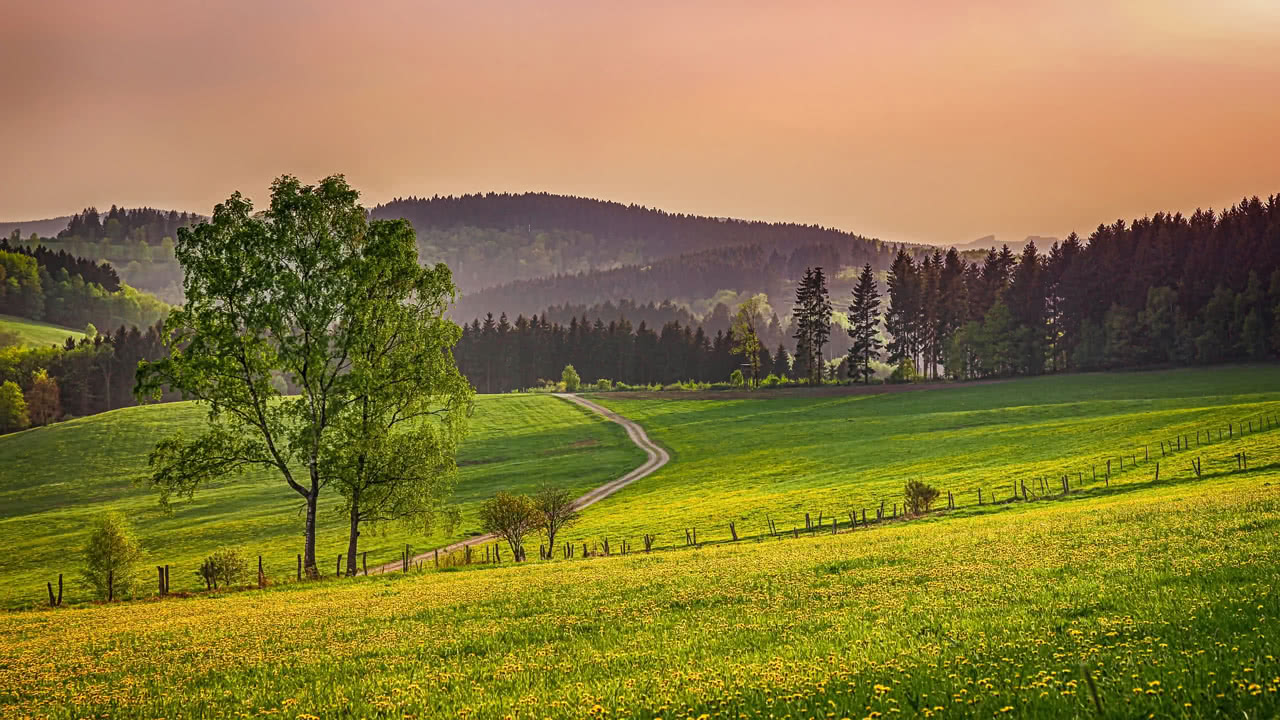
{"points": [[657, 458]]}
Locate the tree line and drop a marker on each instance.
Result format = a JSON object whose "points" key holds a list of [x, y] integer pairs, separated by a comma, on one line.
{"points": [[46, 384], [39, 284], [499, 356], [1168, 290]]}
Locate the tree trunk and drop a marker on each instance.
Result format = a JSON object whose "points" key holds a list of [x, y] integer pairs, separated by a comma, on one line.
{"points": [[354, 537], [309, 544]]}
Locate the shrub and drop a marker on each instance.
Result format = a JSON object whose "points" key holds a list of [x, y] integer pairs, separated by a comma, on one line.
{"points": [[570, 379], [919, 496], [111, 556], [735, 378], [904, 373], [13, 408], [227, 565], [604, 385]]}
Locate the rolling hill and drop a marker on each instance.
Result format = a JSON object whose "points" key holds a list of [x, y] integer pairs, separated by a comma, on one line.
{"points": [[54, 479], [34, 334], [1125, 597]]}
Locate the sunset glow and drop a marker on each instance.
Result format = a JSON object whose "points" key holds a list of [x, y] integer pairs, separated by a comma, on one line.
{"points": [[914, 121]]}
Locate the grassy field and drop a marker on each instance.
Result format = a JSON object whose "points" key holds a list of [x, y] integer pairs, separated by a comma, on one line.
{"points": [[1130, 598], [53, 479], [34, 333], [779, 457], [1161, 603]]}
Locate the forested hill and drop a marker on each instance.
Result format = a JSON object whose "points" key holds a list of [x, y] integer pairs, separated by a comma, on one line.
{"points": [[502, 239], [657, 232]]}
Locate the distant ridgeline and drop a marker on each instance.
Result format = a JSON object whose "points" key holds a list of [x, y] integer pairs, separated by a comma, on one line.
{"points": [[564, 242], [138, 242], [48, 383]]}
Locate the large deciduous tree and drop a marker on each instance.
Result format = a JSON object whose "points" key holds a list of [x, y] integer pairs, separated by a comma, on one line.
{"points": [[300, 291], [392, 454]]}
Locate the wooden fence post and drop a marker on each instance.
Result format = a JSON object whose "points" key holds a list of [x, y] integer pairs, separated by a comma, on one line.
{"points": [[338, 571], [979, 496], [261, 577], [364, 561], [299, 568], [1157, 471], [111, 586], [733, 531], [52, 602]]}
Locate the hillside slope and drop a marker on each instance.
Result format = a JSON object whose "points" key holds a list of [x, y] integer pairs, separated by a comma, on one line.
{"points": [[53, 479], [782, 455], [36, 334]]}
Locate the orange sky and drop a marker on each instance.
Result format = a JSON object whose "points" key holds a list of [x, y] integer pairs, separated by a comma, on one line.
{"points": [[907, 120]]}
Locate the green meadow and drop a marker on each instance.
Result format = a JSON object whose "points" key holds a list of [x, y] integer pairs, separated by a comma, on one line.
{"points": [[778, 457], [1126, 597], [36, 334], [53, 479]]}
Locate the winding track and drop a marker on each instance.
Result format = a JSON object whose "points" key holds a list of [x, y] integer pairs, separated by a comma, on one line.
{"points": [[657, 458]]}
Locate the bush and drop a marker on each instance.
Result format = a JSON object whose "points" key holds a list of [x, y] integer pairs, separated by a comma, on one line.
{"points": [[904, 373], [227, 565], [604, 385], [111, 556], [919, 496], [570, 379], [735, 378]]}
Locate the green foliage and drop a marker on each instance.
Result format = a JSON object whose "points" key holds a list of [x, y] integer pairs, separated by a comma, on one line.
{"points": [[919, 496], [224, 567], [864, 326], [905, 372], [746, 339], [557, 510], [604, 385], [111, 555], [570, 379], [735, 378], [313, 290], [13, 408], [511, 517], [43, 398]]}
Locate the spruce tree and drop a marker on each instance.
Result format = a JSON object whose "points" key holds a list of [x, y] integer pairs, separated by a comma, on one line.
{"points": [[864, 318]]}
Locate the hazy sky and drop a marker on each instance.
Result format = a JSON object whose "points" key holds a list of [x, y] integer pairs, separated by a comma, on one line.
{"points": [[907, 120]]}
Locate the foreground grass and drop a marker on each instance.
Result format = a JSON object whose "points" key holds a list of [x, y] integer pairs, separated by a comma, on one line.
{"points": [[749, 460], [37, 334], [1160, 602], [54, 479]]}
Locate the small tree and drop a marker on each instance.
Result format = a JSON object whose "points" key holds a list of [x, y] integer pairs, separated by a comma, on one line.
{"points": [[919, 496], [510, 517], [227, 565], [13, 408], [746, 341], [557, 509], [111, 556], [570, 379], [43, 402], [735, 377]]}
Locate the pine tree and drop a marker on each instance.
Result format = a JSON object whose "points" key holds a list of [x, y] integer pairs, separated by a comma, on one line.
{"points": [[819, 312], [864, 321]]}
